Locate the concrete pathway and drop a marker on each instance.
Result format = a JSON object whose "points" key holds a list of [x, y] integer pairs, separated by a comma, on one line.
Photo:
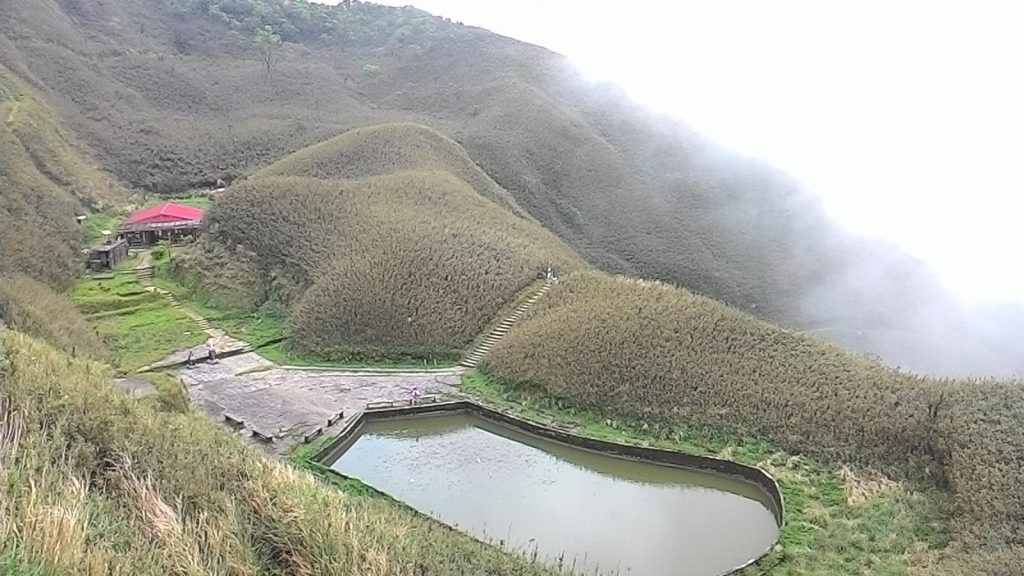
{"points": [[477, 354], [281, 408]]}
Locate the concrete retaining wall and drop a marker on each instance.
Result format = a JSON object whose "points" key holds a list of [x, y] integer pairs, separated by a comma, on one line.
{"points": [[759, 478]]}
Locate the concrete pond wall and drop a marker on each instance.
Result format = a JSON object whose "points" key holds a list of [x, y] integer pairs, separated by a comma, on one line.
{"points": [[764, 483]]}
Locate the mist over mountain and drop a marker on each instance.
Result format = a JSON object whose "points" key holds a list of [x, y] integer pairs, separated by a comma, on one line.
{"points": [[171, 95]]}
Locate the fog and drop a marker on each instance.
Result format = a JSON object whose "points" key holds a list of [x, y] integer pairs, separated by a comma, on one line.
{"points": [[903, 118], [906, 122]]}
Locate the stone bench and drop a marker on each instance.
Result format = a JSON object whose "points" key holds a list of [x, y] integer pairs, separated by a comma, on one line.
{"points": [[335, 419], [262, 436], [233, 421], [312, 435]]}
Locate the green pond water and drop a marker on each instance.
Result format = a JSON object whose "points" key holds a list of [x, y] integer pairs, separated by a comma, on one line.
{"points": [[595, 512]]}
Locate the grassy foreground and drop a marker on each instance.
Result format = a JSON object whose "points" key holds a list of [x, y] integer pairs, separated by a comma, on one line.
{"points": [[94, 482], [837, 521]]}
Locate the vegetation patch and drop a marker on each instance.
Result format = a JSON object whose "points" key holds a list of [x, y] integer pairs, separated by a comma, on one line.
{"points": [[139, 327], [39, 310], [45, 183]]}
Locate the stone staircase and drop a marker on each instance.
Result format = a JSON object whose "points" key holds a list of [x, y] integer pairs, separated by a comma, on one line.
{"points": [[145, 275], [472, 360]]}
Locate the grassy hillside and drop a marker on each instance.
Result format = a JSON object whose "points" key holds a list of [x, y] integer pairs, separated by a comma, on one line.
{"points": [[94, 482], [387, 149], [374, 264], [45, 182], [174, 95], [658, 354]]}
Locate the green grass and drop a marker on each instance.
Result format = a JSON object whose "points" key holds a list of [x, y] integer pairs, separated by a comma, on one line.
{"points": [[138, 327], [893, 530], [97, 222], [264, 327], [198, 201]]}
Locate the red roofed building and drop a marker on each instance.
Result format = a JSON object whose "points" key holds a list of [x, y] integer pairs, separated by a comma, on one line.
{"points": [[168, 221]]}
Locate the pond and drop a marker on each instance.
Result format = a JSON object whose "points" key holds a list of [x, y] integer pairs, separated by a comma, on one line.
{"points": [[585, 510]]}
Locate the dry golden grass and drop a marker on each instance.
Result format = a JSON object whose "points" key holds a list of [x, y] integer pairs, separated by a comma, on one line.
{"points": [[390, 149], [95, 482], [37, 309], [861, 488]]}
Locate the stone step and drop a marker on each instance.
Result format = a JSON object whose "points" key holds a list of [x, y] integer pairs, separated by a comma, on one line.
{"points": [[502, 329]]}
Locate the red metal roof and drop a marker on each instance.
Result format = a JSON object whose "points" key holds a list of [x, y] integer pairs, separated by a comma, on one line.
{"points": [[166, 212]]}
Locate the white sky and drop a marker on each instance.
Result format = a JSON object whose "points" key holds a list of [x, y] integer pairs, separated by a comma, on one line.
{"points": [[908, 122]]}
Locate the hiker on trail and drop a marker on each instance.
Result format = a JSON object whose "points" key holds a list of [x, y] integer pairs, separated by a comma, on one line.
{"points": [[191, 362], [211, 354], [415, 394]]}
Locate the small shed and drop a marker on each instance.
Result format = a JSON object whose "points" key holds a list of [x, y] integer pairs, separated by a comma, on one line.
{"points": [[168, 221], [106, 256]]}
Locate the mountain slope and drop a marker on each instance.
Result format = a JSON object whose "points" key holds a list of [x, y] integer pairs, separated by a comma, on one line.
{"points": [[45, 182], [96, 482], [173, 96], [386, 149]]}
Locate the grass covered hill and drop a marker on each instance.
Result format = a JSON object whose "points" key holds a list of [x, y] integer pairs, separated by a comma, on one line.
{"points": [[45, 182], [659, 354], [175, 94], [94, 482], [411, 263], [386, 149]]}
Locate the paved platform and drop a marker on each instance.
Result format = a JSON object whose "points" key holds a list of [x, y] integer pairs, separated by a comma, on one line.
{"points": [[283, 405]]}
